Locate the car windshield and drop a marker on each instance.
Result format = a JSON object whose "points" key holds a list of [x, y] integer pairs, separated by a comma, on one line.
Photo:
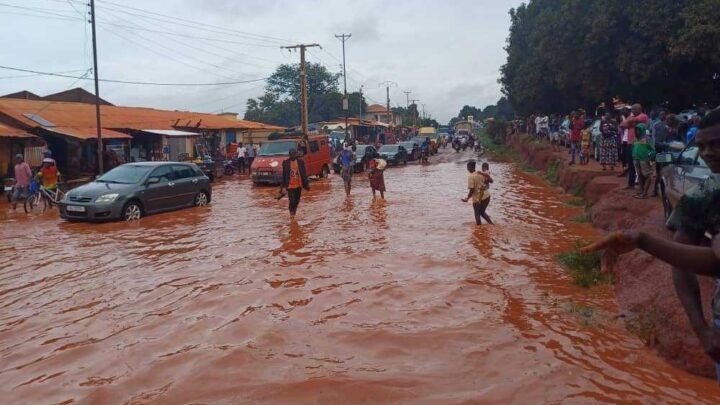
{"points": [[408, 145], [276, 148], [360, 151], [125, 174], [389, 148]]}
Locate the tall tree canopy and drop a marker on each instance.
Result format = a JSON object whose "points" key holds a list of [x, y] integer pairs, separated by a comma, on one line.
{"points": [[501, 110], [578, 53], [280, 104]]}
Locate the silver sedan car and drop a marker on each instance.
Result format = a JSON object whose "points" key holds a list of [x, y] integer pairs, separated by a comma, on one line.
{"points": [[133, 190]]}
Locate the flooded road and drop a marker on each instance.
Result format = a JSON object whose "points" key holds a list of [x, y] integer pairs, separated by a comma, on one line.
{"points": [[403, 301]]}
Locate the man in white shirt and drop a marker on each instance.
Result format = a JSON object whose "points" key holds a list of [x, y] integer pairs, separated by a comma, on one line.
{"points": [[241, 152]]}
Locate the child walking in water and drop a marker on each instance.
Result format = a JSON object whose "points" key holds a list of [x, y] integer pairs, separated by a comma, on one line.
{"points": [[377, 176]]}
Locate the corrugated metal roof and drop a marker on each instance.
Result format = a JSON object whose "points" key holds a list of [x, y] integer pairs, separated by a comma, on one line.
{"points": [[170, 132], [88, 133], [79, 115], [11, 132], [376, 108]]}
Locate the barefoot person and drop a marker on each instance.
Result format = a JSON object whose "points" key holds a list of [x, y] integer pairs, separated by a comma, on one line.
{"points": [[294, 179], [23, 175], [476, 191], [377, 176], [697, 214], [347, 163], [485, 172]]}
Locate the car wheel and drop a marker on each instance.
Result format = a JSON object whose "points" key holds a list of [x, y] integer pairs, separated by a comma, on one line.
{"points": [[667, 206], [132, 211], [201, 199]]}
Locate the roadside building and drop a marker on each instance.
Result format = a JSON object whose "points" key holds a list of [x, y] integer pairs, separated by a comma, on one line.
{"points": [[14, 141], [377, 112]]}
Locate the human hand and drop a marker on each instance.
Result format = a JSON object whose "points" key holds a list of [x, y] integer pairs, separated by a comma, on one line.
{"points": [[465, 199], [710, 340], [614, 245]]}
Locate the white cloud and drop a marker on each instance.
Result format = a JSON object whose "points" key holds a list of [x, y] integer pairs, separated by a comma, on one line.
{"points": [[447, 53]]}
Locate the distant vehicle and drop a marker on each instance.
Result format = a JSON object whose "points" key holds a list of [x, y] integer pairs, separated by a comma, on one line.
{"points": [[394, 154], [267, 166], [685, 115], [430, 132], [413, 149], [682, 173], [363, 155], [133, 190]]}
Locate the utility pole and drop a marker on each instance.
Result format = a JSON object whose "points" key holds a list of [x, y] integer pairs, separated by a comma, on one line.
{"points": [[361, 101], [387, 85], [303, 84], [423, 106], [407, 96], [415, 115], [97, 90], [346, 102]]}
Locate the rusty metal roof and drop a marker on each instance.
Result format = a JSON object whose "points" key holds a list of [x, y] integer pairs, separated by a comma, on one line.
{"points": [[88, 133], [80, 115], [376, 108], [12, 132]]}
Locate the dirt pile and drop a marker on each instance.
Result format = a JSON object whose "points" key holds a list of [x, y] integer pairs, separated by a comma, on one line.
{"points": [[643, 285]]}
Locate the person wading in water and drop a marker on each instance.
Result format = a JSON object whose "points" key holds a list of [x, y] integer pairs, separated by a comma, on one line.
{"points": [[294, 179], [477, 185]]}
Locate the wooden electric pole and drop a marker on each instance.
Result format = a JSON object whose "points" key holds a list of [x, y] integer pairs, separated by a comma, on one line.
{"points": [[303, 85], [415, 113], [97, 90], [387, 85]]}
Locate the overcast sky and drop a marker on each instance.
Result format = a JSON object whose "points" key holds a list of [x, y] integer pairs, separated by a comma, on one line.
{"points": [[447, 53]]}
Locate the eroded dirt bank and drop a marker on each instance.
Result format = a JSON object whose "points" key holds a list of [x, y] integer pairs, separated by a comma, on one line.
{"points": [[643, 285]]}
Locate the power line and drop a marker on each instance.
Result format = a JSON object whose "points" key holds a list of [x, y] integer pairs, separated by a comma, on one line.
{"points": [[133, 82]]}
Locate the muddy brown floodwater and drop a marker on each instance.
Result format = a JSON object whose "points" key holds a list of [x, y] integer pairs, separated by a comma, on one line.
{"points": [[398, 302]]}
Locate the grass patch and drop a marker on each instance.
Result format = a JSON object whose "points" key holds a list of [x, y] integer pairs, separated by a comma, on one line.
{"points": [[583, 218], [643, 328], [553, 173], [576, 202], [527, 168], [578, 191], [584, 268]]}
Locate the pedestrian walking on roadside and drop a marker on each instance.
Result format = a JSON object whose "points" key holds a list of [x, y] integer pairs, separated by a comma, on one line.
{"points": [[578, 124], [294, 179], [250, 157], [637, 116], [476, 192], [23, 175], [377, 176], [241, 154], [643, 159], [347, 164], [608, 142]]}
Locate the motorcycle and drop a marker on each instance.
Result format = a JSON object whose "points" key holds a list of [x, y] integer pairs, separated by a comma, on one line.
{"points": [[229, 167], [479, 149]]}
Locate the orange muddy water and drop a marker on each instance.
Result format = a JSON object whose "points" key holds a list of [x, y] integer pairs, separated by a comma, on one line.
{"points": [[403, 301]]}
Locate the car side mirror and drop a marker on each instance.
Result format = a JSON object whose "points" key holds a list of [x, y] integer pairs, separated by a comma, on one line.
{"points": [[665, 157], [152, 180]]}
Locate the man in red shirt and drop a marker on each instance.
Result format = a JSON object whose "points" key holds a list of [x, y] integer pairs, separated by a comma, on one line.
{"points": [[637, 116], [578, 123]]}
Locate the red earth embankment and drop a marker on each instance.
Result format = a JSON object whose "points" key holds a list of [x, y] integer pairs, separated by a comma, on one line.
{"points": [[643, 285]]}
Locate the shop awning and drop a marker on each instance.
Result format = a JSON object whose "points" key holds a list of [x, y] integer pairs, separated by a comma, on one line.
{"points": [[170, 132], [85, 134]]}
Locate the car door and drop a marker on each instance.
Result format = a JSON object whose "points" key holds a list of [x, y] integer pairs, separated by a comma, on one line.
{"points": [[402, 153], [695, 173], [163, 194], [185, 184]]}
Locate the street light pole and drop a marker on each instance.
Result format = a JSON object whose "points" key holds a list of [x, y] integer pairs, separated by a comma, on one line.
{"points": [[346, 102]]}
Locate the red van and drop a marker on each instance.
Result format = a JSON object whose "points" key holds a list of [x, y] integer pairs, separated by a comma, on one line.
{"points": [[267, 166]]}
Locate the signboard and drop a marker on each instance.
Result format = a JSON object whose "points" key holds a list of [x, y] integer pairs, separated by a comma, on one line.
{"points": [[471, 118], [345, 103]]}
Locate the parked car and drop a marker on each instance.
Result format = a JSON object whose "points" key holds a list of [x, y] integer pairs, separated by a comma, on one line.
{"points": [[267, 166], [363, 155], [133, 190], [413, 149], [394, 154], [681, 173]]}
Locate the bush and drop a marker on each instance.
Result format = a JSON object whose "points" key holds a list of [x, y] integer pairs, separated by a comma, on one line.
{"points": [[497, 130], [553, 173], [584, 268]]}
